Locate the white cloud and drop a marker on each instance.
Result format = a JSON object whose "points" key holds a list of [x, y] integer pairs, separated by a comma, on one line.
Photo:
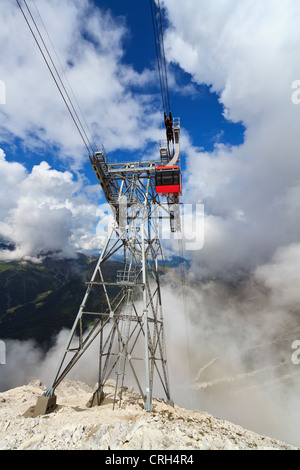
{"points": [[248, 52], [89, 44], [46, 211], [11, 175], [281, 277]]}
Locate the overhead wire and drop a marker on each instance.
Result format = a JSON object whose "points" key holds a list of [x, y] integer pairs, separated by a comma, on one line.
{"points": [[66, 77], [70, 107], [160, 54], [164, 85], [157, 53], [164, 58]]}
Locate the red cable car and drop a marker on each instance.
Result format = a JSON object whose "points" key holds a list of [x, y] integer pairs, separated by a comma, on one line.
{"points": [[168, 181]]}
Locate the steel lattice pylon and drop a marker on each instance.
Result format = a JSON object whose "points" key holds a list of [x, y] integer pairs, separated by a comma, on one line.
{"points": [[126, 312]]}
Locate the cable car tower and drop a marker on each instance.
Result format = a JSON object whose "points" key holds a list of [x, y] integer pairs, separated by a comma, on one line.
{"points": [[124, 313]]}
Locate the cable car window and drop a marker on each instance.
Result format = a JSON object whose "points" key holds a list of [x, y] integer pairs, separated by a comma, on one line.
{"points": [[167, 178], [176, 177], [158, 179]]}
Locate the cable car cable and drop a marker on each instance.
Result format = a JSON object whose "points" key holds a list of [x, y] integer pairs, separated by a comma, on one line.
{"points": [[52, 74], [160, 55], [164, 59], [66, 78], [59, 77], [157, 49]]}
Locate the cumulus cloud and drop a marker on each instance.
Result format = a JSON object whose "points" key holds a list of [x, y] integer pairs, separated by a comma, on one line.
{"points": [[46, 211], [241, 332], [11, 175], [248, 54], [89, 44]]}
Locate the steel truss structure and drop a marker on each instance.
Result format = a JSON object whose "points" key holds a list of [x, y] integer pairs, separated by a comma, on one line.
{"points": [[125, 314]]}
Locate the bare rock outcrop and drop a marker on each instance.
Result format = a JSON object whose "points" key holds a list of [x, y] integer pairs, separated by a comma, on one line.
{"points": [[74, 426]]}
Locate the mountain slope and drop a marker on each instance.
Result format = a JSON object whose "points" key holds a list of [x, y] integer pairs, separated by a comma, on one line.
{"points": [[37, 301]]}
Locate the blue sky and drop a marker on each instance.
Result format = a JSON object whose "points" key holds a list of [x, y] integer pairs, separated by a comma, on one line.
{"points": [[230, 72], [198, 107], [200, 111]]}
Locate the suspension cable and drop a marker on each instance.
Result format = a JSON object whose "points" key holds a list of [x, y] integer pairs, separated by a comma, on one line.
{"points": [[164, 58], [77, 123], [65, 76], [157, 53], [160, 54]]}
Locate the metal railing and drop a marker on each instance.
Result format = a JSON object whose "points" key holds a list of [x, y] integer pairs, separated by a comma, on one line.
{"points": [[127, 277]]}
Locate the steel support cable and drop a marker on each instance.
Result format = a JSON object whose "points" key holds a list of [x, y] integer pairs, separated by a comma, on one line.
{"points": [[157, 49], [53, 76], [58, 75], [164, 57], [66, 78], [160, 55]]}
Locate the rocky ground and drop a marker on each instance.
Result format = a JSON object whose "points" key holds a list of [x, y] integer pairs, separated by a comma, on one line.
{"points": [[73, 426]]}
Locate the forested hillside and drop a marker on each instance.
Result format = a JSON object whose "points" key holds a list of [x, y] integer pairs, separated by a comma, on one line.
{"points": [[38, 300]]}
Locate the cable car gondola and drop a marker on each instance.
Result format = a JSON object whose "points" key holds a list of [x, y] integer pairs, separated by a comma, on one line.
{"points": [[168, 181]]}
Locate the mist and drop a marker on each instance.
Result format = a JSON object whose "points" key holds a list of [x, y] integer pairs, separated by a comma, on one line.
{"points": [[229, 347]]}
